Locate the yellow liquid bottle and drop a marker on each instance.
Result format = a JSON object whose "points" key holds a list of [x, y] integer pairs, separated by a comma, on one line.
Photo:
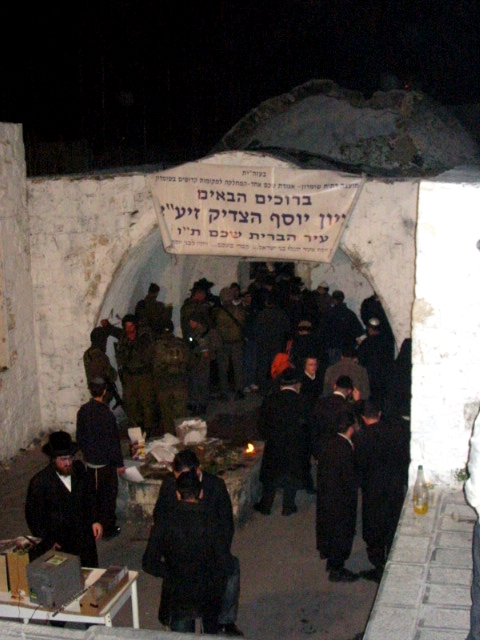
{"points": [[420, 493]]}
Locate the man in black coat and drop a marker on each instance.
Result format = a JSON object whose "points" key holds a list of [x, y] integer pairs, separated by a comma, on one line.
{"points": [[337, 493], [59, 508], [342, 327], [286, 444], [311, 385], [382, 452], [271, 331], [99, 440], [376, 354], [191, 552], [323, 419], [216, 500]]}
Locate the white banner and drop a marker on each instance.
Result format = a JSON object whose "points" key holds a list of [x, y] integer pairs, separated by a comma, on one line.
{"points": [[255, 212]]}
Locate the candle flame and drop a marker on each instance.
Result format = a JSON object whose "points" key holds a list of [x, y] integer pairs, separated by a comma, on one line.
{"points": [[250, 448]]}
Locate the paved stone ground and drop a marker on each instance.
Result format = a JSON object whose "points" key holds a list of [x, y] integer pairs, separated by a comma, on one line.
{"points": [[285, 592], [425, 590]]}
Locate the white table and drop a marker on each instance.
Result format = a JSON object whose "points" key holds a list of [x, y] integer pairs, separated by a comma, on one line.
{"points": [[13, 607]]}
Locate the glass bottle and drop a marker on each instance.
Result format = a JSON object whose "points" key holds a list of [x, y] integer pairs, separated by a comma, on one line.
{"points": [[420, 493]]}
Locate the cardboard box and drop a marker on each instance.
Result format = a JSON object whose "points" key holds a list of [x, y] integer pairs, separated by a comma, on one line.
{"points": [[17, 561], [104, 590], [3, 573], [5, 547], [25, 550]]}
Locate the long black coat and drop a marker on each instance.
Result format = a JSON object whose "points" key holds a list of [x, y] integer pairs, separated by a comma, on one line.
{"points": [[192, 553], [323, 420], [57, 515], [376, 354], [337, 492], [216, 501], [382, 454], [215, 498], [286, 442]]}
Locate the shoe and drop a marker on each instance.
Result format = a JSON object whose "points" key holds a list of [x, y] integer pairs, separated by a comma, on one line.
{"points": [[113, 533], [375, 575], [247, 390], [229, 629], [254, 387], [288, 512], [342, 575], [258, 506]]}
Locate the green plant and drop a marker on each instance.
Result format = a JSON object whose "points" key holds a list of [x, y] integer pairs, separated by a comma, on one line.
{"points": [[461, 474]]}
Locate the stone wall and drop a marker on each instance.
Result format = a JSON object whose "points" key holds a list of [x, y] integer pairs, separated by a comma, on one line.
{"points": [[96, 246], [19, 401], [446, 333]]}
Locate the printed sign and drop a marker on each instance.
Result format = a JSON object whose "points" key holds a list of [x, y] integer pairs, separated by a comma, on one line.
{"points": [[255, 212]]}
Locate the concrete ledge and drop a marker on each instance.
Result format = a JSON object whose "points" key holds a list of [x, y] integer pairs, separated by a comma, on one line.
{"points": [[137, 500], [425, 590], [20, 631]]}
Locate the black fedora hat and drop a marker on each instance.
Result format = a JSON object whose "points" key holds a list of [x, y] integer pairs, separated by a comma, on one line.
{"points": [[60, 444]]}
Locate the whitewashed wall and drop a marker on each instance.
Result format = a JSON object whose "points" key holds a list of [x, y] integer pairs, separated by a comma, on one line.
{"points": [[96, 246], [19, 401], [446, 324]]}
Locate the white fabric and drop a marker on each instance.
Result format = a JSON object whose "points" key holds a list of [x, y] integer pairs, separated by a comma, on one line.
{"points": [[472, 485], [67, 481]]}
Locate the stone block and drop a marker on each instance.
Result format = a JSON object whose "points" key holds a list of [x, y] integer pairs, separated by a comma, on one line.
{"points": [[446, 594], [242, 483], [394, 623], [455, 539], [401, 585], [411, 549], [452, 557], [449, 576], [441, 617], [429, 634]]}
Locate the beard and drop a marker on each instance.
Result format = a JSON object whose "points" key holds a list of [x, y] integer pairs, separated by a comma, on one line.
{"points": [[63, 471]]}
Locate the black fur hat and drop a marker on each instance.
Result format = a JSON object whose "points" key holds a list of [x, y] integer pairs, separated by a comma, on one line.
{"points": [[60, 444]]}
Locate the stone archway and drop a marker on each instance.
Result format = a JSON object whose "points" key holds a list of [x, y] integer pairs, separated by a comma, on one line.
{"points": [[95, 247]]}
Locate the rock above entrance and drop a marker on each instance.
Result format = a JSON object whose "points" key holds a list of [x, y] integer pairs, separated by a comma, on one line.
{"points": [[321, 125]]}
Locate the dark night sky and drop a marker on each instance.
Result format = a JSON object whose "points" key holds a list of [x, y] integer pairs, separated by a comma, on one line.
{"points": [[169, 79]]}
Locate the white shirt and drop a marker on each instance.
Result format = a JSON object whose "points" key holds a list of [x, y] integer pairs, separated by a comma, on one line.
{"points": [[67, 481]]}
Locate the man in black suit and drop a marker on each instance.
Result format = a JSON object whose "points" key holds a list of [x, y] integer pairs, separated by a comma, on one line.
{"points": [[216, 500], [323, 419], [337, 493], [59, 508], [286, 450], [382, 454], [191, 553]]}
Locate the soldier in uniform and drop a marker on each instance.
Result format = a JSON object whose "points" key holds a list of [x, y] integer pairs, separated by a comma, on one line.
{"points": [[170, 361], [200, 350], [97, 364], [153, 312], [134, 357], [196, 303]]}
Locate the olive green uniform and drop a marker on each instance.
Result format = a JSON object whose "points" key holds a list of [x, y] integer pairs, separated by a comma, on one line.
{"points": [[134, 359], [170, 361]]}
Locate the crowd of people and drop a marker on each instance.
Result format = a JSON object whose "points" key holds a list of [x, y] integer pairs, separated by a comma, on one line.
{"points": [[334, 416], [228, 343]]}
